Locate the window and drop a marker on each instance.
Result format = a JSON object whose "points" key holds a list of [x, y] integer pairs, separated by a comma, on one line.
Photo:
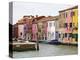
{"points": [[75, 36], [53, 24], [65, 34], [76, 28], [48, 33], [39, 30], [24, 28], [73, 24], [70, 34], [70, 24], [20, 33], [72, 13], [66, 15], [50, 24], [60, 15], [59, 35], [65, 25], [52, 34]]}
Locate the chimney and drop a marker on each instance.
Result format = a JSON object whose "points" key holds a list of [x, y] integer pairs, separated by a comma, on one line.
{"points": [[49, 16], [36, 16], [24, 16], [31, 16]]}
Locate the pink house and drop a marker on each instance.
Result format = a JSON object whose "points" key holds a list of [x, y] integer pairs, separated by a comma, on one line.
{"points": [[68, 22], [68, 26], [34, 32]]}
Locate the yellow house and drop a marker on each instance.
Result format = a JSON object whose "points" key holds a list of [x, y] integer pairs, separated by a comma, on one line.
{"points": [[75, 24]]}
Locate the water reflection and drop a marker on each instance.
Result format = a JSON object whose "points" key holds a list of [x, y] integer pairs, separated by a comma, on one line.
{"points": [[48, 50]]}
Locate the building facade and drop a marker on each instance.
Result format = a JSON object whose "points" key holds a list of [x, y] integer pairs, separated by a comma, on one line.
{"points": [[61, 25], [51, 30], [25, 28], [75, 24], [70, 24], [42, 29], [34, 30], [48, 27]]}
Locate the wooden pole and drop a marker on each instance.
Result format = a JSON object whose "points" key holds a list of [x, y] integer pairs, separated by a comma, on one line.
{"points": [[37, 41]]}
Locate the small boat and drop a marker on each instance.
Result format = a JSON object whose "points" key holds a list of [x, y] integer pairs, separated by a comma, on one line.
{"points": [[23, 46], [54, 42]]}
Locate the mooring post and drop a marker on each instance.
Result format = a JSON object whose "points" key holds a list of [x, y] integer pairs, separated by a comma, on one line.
{"points": [[37, 44], [37, 41]]}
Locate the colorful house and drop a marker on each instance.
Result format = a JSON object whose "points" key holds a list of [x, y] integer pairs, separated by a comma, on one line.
{"points": [[52, 28], [25, 28], [21, 29], [42, 29], [70, 16], [68, 27], [41, 24], [34, 30], [48, 29], [61, 25], [75, 24]]}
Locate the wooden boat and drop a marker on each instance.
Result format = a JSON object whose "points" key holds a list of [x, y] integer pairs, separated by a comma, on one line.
{"points": [[23, 46]]}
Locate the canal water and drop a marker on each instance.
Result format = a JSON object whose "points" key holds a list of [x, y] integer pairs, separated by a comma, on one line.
{"points": [[48, 50]]}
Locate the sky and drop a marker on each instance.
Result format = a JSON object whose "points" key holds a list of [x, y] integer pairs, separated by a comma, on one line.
{"points": [[32, 8]]}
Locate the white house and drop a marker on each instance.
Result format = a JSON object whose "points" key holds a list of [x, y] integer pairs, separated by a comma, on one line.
{"points": [[51, 30]]}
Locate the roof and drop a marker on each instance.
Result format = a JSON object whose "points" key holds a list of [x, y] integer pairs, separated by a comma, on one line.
{"points": [[49, 18], [23, 20], [75, 7], [40, 17]]}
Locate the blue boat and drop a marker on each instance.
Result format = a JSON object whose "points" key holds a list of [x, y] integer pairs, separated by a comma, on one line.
{"points": [[54, 42]]}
